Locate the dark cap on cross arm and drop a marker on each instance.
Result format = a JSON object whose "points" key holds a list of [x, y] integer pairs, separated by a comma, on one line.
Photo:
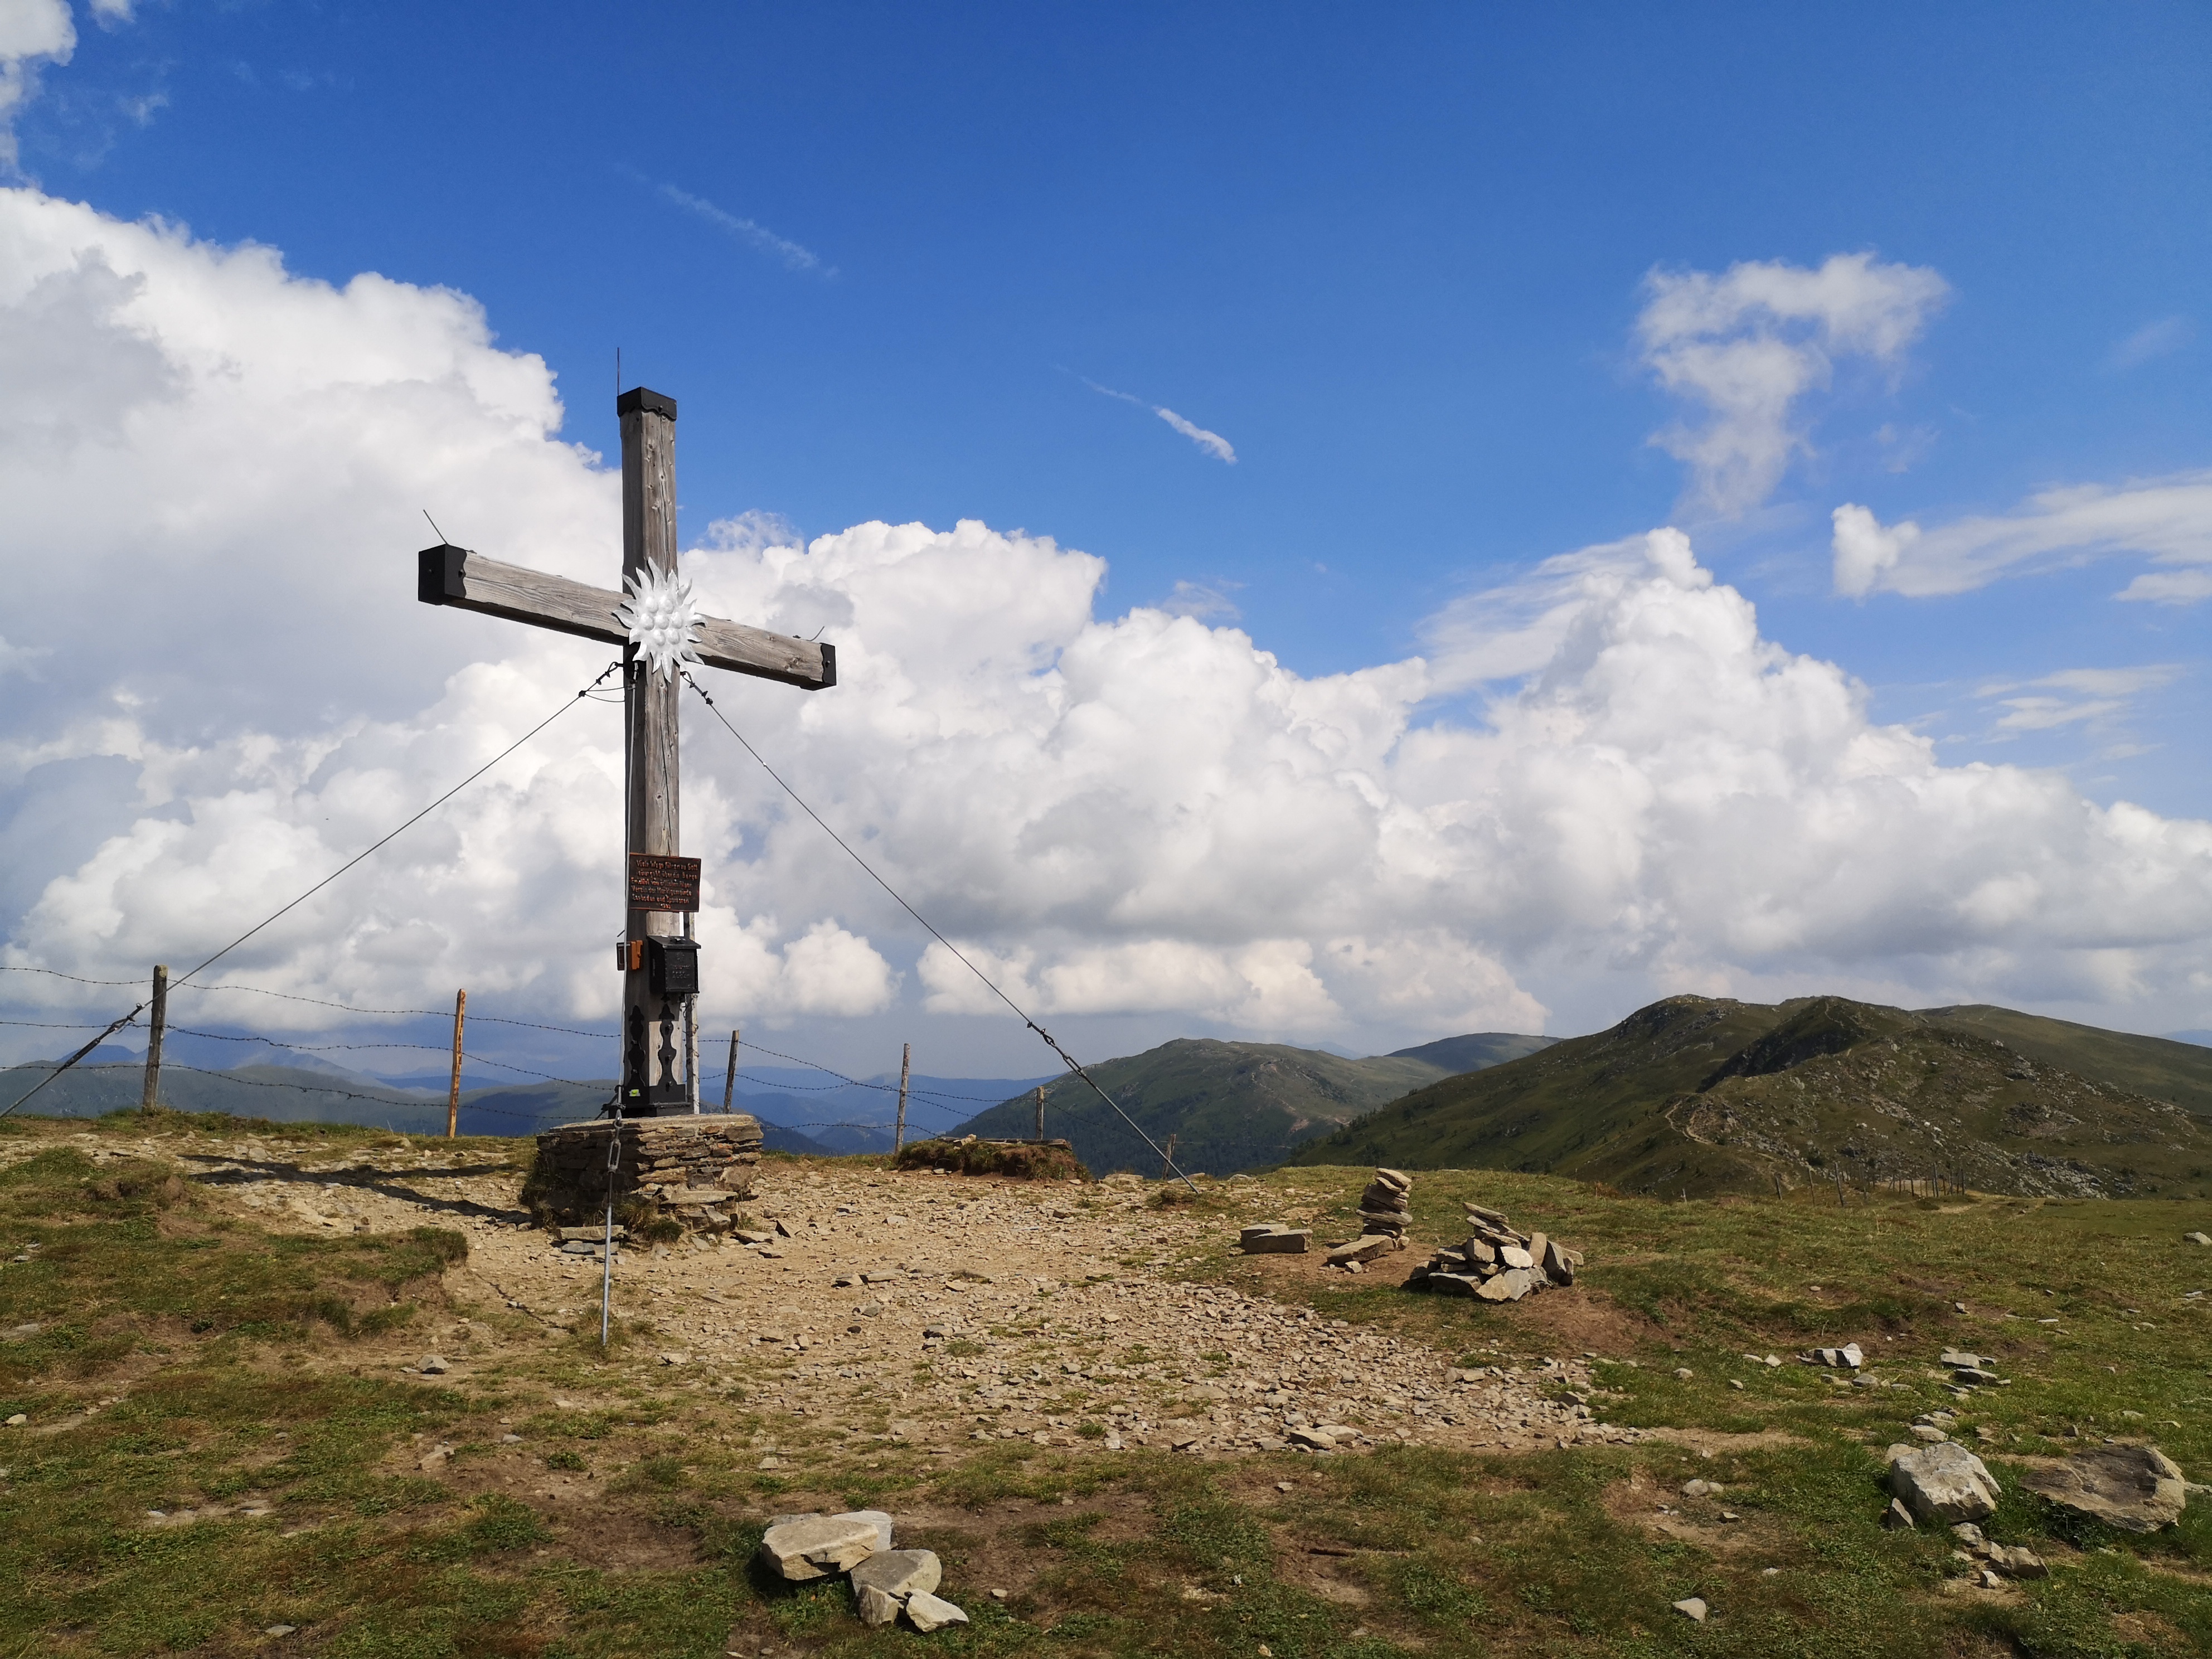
{"points": [[638, 400]]}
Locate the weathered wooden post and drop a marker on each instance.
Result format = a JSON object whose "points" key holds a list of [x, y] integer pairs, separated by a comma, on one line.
{"points": [[157, 1019], [730, 1077], [649, 707], [1167, 1158], [1040, 1106], [454, 1094], [906, 1064]]}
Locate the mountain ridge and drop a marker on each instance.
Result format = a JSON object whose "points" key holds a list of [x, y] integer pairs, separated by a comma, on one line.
{"points": [[1698, 1095]]}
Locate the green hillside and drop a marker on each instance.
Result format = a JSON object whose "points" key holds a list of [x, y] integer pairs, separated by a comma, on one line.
{"points": [[1475, 1051], [1229, 1105], [1698, 1095], [2180, 1072]]}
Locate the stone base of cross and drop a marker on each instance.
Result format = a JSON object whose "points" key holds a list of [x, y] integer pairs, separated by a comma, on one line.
{"points": [[654, 620]]}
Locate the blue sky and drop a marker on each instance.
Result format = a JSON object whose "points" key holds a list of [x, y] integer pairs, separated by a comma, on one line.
{"points": [[1395, 259]]}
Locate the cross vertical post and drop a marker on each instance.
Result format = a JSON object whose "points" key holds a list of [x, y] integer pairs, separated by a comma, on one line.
{"points": [[649, 709]]}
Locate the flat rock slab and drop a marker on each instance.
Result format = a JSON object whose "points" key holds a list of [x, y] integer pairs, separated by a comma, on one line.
{"points": [[1275, 1240], [874, 1605], [931, 1613], [1363, 1248], [2135, 1488], [1943, 1482], [819, 1545], [1509, 1286], [899, 1573]]}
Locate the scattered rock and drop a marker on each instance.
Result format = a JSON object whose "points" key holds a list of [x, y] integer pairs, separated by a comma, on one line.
{"points": [[2198, 1238], [1509, 1285], [2135, 1488], [1897, 1516], [433, 1365], [814, 1546], [1846, 1359], [874, 1605], [1693, 1608], [1313, 1439], [1942, 1482], [1365, 1247], [1273, 1238], [888, 1580], [1928, 1431], [931, 1613], [1684, 1374], [18, 1420], [278, 1630]]}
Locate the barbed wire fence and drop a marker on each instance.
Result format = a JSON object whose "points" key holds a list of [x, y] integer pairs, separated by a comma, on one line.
{"points": [[929, 1099], [954, 1108]]}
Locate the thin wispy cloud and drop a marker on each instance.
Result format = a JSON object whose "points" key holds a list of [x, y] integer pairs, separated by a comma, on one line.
{"points": [[2091, 696], [1204, 601], [1212, 442], [2168, 519], [754, 235], [2159, 339]]}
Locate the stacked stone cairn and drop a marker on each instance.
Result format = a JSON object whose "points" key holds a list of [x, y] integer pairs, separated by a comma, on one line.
{"points": [[1496, 1262], [1386, 1210], [885, 1582]]}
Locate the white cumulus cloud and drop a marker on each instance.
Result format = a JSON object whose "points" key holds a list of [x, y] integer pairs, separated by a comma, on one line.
{"points": [[1749, 344], [1602, 773], [32, 32]]}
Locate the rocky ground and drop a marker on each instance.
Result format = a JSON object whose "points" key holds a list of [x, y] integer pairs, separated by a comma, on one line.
{"points": [[933, 1310]]}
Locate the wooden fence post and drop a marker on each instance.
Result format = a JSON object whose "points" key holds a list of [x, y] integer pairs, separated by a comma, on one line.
{"points": [[1040, 1105], [157, 1021], [454, 1096], [906, 1065], [1167, 1158], [730, 1077]]}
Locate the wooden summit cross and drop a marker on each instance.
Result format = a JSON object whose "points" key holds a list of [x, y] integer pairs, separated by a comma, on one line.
{"points": [[659, 959]]}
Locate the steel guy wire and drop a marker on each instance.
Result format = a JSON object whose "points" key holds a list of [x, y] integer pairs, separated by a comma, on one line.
{"points": [[293, 904], [1047, 1037]]}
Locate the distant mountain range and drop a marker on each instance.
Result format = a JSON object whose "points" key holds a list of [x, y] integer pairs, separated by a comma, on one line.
{"points": [[1692, 1094], [203, 1075], [1231, 1105], [1698, 1095]]}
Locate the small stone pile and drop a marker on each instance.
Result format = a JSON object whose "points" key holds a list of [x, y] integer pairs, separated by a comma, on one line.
{"points": [[1386, 1209], [1386, 1206], [885, 1582], [1496, 1262]]}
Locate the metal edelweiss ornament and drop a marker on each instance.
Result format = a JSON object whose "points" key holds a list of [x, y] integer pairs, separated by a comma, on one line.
{"points": [[662, 620]]}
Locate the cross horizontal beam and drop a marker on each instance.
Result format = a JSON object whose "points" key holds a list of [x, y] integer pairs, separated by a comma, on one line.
{"points": [[453, 575]]}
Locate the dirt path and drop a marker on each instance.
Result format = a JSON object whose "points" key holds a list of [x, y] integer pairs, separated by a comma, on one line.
{"points": [[927, 1310]]}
